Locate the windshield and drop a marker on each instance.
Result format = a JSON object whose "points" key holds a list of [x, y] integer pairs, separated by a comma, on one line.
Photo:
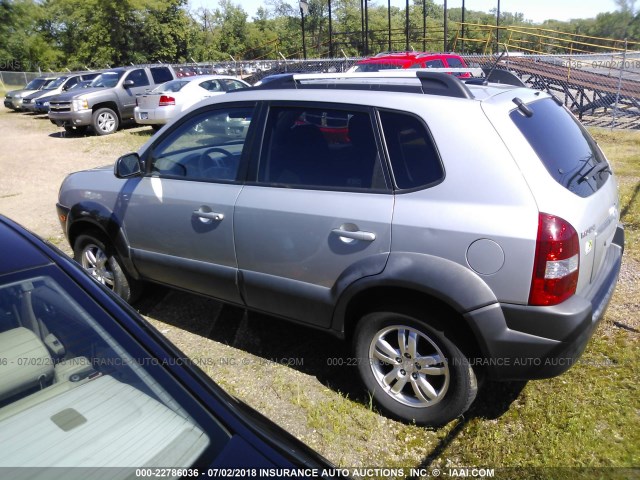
{"points": [[79, 85], [56, 83], [173, 86], [35, 84], [107, 79], [77, 390]]}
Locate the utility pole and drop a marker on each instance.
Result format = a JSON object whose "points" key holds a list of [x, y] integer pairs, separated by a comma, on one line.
{"points": [[304, 10]]}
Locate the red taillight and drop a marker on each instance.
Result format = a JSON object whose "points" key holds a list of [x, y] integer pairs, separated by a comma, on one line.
{"points": [[166, 100], [557, 261]]}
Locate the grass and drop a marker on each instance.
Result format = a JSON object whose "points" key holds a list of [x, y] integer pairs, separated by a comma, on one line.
{"points": [[623, 150]]}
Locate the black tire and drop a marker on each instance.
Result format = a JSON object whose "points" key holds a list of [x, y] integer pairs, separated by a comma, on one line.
{"points": [[156, 127], [71, 130], [430, 383], [99, 259], [105, 121]]}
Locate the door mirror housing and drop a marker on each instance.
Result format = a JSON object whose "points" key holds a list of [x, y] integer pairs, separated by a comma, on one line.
{"points": [[128, 166]]}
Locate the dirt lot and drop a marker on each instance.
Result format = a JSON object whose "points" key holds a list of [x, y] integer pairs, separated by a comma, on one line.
{"points": [[289, 373]]}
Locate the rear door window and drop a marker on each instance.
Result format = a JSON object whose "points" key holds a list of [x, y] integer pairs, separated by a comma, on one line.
{"points": [[321, 148], [564, 147]]}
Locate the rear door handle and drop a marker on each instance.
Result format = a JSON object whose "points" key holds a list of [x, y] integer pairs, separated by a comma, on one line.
{"points": [[357, 235]]}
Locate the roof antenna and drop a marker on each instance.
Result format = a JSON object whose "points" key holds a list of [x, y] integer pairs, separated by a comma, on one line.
{"points": [[493, 67]]}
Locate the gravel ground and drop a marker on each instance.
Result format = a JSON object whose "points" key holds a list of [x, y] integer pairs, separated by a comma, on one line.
{"points": [[278, 368]]}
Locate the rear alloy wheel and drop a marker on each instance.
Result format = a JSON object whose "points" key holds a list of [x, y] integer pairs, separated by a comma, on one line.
{"points": [[414, 372], [105, 121], [98, 259]]}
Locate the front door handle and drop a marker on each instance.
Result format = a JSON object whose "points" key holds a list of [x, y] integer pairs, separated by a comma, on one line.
{"points": [[209, 215], [355, 235]]}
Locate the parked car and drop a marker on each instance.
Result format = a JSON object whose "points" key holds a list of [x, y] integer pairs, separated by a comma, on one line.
{"points": [[110, 100], [459, 229], [167, 100], [81, 371], [13, 98], [38, 102], [400, 60]]}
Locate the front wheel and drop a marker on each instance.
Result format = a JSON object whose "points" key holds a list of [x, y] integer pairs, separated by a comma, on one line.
{"points": [[414, 372], [105, 121], [97, 257]]}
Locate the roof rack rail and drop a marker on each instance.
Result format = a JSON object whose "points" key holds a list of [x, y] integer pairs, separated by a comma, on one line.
{"points": [[431, 83]]}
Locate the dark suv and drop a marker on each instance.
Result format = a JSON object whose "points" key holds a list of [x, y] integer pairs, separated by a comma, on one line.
{"points": [[446, 228]]}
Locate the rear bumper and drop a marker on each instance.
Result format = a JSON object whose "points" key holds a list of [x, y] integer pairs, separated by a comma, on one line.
{"points": [[153, 116], [520, 342]]}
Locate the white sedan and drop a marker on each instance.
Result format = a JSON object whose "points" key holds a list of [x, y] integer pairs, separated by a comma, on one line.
{"points": [[167, 100]]}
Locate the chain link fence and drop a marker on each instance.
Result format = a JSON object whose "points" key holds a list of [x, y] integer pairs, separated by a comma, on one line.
{"points": [[11, 80], [601, 89]]}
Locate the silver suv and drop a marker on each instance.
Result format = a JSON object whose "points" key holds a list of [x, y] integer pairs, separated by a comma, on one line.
{"points": [[447, 228]]}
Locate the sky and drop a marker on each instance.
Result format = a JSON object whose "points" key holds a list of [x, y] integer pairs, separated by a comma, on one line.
{"points": [[535, 10]]}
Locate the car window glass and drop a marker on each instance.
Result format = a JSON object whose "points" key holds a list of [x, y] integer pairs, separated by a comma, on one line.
{"points": [[455, 62], [139, 78], [317, 147], [72, 81], [69, 371], [435, 64], [56, 83], [160, 74], [211, 85], [107, 79], [565, 148], [231, 84], [207, 146], [414, 159], [35, 84], [174, 86]]}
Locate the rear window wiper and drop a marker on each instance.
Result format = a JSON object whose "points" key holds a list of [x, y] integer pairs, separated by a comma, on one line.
{"points": [[596, 170]]}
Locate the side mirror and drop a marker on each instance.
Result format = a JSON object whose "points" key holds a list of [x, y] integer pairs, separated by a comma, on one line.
{"points": [[128, 166], [129, 83]]}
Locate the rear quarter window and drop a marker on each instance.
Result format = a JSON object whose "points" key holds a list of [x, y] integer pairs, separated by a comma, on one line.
{"points": [[564, 147], [414, 159]]}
